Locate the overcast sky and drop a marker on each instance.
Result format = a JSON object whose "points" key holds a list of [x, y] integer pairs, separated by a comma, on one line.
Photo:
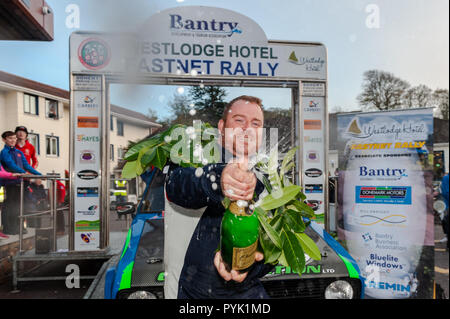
{"points": [[411, 42]]}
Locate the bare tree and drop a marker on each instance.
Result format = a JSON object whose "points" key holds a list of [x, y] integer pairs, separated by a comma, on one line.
{"points": [[418, 96], [440, 97], [382, 91]]}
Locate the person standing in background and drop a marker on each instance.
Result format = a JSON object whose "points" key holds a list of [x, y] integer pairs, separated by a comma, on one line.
{"points": [[25, 146], [6, 178], [14, 161]]}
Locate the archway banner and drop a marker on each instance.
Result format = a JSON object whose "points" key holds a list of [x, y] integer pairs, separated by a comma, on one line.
{"points": [[197, 41], [385, 215]]}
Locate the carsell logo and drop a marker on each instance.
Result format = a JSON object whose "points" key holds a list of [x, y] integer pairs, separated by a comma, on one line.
{"points": [[393, 173], [94, 54], [400, 195], [227, 28], [88, 102], [313, 106]]}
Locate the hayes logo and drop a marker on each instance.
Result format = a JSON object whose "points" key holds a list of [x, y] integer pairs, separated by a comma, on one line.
{"points": [[226, 28], [86, 138], [94, 54], [386, 173]]}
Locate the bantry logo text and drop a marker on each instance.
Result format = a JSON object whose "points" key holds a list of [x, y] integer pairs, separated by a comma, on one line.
{"points": [[226, 28]]}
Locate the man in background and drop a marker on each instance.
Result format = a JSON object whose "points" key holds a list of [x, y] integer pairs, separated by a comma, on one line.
{"points": [[25, 146]]}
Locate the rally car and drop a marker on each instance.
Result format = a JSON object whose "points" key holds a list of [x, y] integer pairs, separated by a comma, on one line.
{"points": [[139, 272]]}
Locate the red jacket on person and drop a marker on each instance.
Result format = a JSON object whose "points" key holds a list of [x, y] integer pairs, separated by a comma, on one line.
{"points": [[30, 153]]}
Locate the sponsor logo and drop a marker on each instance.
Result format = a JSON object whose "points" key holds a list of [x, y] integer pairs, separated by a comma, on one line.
{"points": [[393, 286], [312, 124], [87, 192], [87, 138], [311, 63], [91, 211], [310, 139], [394, 173], [87, 174], [88, 102], [400, 195], [313, 106], [88, 121], [312, 156], [87, 226], [87, 237], [226, 28], [94, 54], [313, 172], [313, 188], [87, 157], [407, 129]]}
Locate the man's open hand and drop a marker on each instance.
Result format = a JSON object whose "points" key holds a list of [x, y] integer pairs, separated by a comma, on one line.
{"points": [[233, 275]]}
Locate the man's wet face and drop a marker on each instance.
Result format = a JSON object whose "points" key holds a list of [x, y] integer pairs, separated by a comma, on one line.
{"points": [[242, 130]]}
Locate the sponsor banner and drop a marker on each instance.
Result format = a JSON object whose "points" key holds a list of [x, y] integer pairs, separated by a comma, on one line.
{"points": [[198, 41], [383, 195], [87, 101], [87, 121], [385, 187], [87, 192], [313, 112]]}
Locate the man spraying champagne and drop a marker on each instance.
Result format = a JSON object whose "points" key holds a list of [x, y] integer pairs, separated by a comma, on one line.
{"points": [[204, 273]]}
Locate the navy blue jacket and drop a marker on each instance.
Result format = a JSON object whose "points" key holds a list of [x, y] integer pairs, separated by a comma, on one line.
{"points": [[199, 278]]}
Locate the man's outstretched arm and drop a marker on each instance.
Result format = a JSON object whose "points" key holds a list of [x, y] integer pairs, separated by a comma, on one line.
{"points": [[193, 187]]}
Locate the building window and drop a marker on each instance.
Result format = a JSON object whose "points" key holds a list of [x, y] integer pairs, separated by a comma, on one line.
{"points": [[119, 128], [52, 145], [111, 123], [30, 104], [51, 109], [120, 153], [34, 140], [111, 152]]}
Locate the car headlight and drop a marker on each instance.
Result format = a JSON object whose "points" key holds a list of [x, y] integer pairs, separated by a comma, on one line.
{"points": [[439, 206], [339, 289], [141, 294]]}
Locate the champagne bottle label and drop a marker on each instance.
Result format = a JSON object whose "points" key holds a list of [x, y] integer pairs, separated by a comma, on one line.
{"points": [[244, 257]]}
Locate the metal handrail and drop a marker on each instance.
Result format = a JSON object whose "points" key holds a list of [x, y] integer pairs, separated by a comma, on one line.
{"points": [[53, 205]]}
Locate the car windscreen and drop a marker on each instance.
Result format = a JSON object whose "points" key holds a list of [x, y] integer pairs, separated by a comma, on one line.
{"points": [[153, 201]]}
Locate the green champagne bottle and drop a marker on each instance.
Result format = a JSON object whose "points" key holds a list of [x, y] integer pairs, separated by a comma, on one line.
{"points": [[239, 237]]}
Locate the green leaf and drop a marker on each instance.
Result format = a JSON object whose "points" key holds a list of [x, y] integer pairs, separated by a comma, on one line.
{"points": [[287, 164], [294, 220], [273, 235], [277, 223], [293, 251], [309, 246], [147, 157], [160, 158], [302, 208], [129, 170], [271, 252], [133, 152], [288, 193]]}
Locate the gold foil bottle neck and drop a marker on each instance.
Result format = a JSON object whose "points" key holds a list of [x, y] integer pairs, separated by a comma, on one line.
{"points": [[237, 210]]}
